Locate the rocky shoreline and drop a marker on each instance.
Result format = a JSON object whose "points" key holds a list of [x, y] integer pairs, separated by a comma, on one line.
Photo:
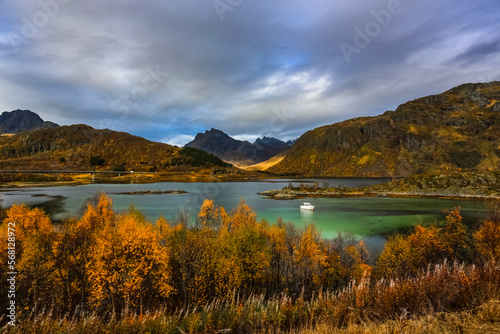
{"points": [[287, 194], [465, 186]]}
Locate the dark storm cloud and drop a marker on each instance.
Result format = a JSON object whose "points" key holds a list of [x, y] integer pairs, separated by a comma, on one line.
{"points": [[167, 70]]}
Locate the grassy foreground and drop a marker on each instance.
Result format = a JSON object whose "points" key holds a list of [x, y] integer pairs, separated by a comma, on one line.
{"points": [[482, 319], [326, 314]]}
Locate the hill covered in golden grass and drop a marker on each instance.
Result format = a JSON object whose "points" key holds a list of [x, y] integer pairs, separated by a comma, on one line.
{"points": [[455, 131], [81, 147], [264, 165]]}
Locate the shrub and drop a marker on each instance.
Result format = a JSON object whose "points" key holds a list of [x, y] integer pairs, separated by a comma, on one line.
{"points": [[119, 168], [199, 158], [96, 161], [465, 159], [487, 237]]}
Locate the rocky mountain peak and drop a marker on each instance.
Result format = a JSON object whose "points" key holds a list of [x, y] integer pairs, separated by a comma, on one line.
{"points": [[17, 121], [240, 152]]}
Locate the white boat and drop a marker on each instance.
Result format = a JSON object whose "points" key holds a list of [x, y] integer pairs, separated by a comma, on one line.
{"points": [[307, 206]]}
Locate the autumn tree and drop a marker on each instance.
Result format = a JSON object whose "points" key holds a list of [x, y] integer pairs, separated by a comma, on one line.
{"points": [[396, 258], [192, 263], [487, 237], [310, 257], [242, 253], [241, 215], [349, 257], [76, 245], [282, 239], [209, 215], [129, 268], [123, 264], [34, 234], [427, 246], [454, 235], [69, 267]]}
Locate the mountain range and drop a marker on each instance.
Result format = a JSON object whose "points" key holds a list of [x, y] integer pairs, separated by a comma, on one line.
{"points": [[241, 153], [455, 131]]}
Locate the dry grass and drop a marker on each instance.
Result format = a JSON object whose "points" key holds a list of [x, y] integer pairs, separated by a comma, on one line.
{"points": [[383, 307], [482, 319], [265, 164]]}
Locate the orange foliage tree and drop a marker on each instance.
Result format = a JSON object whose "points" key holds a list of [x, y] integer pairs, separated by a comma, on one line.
{"points": [[455, 236], [348, 258], [310, 257], [242, 254], [396, 258], [129, 268], [427, 246], [74, 248], [37, 283], [487, 237]]}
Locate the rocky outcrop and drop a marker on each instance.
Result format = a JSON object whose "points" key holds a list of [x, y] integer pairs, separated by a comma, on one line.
{"points": [[22, 120]]}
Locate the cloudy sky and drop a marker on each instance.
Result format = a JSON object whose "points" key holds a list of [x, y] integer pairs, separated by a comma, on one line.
{"points": [[166, 70]]}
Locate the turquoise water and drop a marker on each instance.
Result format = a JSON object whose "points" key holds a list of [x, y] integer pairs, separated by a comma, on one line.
{"points": [[369, 218]]}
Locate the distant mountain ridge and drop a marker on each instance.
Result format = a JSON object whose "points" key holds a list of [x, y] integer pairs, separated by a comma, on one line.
{"points": [[273, 142], [239, 152], [458, 130], [17, 121]]}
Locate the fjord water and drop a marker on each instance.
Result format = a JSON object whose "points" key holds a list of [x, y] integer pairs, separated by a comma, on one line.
{"points": [[367, 217]]}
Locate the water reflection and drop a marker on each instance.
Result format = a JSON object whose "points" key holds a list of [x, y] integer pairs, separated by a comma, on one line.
{"points": [[306, 213], [54, 206]]}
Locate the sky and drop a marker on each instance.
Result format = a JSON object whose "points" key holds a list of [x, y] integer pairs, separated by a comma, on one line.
{"points": [[166, 70]]}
